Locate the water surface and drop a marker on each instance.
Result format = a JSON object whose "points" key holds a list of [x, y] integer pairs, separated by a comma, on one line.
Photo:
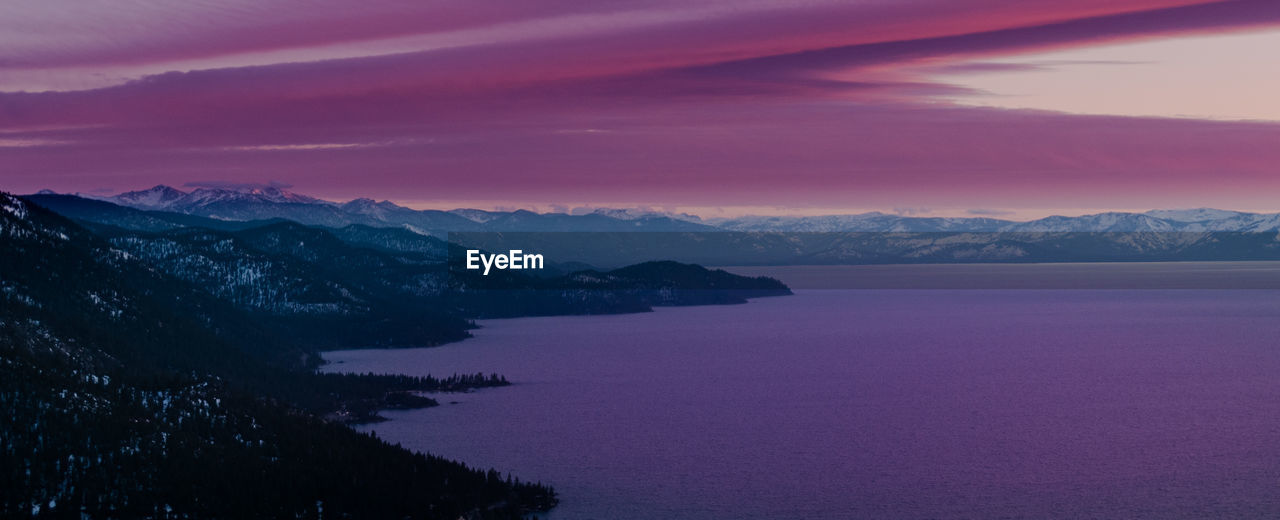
{"points": [[835, 404]]}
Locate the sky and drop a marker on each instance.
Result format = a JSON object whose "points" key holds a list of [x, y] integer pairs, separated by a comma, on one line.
{"points": [[1012, 108]]}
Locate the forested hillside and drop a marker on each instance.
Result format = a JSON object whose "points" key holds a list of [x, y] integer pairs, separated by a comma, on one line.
{"points": [[162, 366], [128, 394], [360, 286]]}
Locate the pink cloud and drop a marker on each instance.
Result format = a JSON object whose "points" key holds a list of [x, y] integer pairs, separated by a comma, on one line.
{"points": [[787, 154], [717, 104]]}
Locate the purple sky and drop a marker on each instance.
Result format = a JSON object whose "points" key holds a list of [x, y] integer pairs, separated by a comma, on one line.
{"points": [[712, 107]]}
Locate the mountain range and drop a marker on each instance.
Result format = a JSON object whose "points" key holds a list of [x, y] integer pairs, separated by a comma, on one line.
{"points": [[261, 203], [868, 238], [271, 203], [1191, 220]]}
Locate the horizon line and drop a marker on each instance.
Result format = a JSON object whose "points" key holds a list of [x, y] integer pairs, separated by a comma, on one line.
{"points": [[1010, 214]]}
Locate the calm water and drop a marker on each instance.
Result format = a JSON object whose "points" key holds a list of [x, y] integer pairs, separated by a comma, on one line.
{"points": [[836, 404]]}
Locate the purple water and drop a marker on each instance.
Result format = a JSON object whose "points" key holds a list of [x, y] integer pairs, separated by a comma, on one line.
{"points": [[835, 404]]}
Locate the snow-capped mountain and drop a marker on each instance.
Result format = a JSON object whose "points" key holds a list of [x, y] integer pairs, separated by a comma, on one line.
{"points": [[640, 213], [1102, 222], [163, 197], [207, 196], [867, 238], [862, 222], [1152, 221], [1208, 219], [261, 203], [483, 217], [265, 203], [158, 197], [1196, 214]]}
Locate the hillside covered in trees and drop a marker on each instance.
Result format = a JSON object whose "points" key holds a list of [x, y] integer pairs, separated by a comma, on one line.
{"points": [[358, 286], [168, 371], [129, 395]]}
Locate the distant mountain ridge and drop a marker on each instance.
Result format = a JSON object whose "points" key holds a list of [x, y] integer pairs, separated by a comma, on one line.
{"points": [[1160, 220], [869, 238], [270, 203], [265, 203]]}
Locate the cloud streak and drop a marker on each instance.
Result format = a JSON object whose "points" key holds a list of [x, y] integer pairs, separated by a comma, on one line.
{"points": [[712, 104]]}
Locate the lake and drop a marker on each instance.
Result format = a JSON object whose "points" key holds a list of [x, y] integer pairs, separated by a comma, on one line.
{"points": [[875, 403]]}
